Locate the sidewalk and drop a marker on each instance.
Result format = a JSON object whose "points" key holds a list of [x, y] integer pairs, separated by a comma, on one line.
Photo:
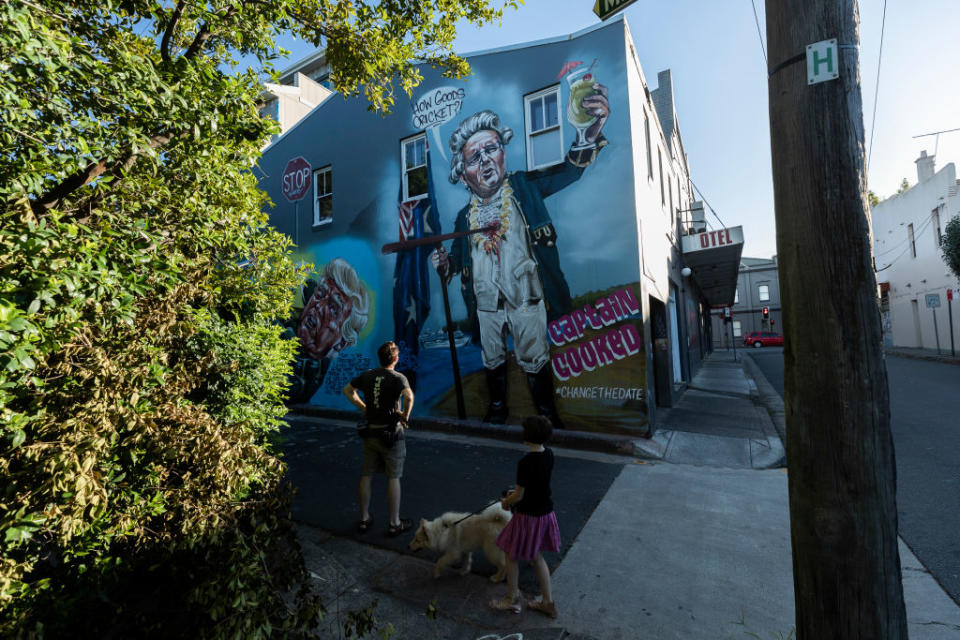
{"points": [[692, 542], [926, 354], [724, 419]]}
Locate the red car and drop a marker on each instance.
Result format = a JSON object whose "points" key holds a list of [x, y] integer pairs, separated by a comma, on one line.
{"points": [[763, 339]]}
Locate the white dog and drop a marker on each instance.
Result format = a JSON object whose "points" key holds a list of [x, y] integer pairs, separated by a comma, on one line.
{"points": [[457, 536]]}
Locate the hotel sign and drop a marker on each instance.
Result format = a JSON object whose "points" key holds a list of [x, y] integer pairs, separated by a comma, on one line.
{"points": [[713, 239]]}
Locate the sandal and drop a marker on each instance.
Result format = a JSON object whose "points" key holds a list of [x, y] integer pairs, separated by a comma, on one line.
{"points": [[364, 525], [506, 603], [396, 529], [548, 609]]}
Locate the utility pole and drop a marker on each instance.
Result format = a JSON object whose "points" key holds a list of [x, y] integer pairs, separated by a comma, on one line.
{"points": [[843, 512]]}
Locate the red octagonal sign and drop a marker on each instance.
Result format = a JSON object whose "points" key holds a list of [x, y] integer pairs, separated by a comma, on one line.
{"points": [[296, 179]]}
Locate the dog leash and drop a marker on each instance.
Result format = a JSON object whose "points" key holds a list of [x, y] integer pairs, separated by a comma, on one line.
{"points": [[470, 515]]}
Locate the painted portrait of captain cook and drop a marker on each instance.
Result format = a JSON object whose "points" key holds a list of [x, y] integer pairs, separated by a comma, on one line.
{"points": [[510, 274]]}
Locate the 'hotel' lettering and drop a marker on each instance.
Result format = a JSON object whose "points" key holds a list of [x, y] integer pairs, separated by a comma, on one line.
{"points": [[715, 238]]}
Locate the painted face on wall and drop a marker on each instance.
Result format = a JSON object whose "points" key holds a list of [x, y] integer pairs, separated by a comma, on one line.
{"points": [[483, 163], [321, 325]]}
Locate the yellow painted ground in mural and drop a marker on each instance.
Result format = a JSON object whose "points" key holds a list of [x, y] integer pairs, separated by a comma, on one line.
{"points": [[588, 410]]}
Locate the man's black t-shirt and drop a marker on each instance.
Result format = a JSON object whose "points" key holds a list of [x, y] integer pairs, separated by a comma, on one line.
{"points": [[533, 474], [382, 389]]}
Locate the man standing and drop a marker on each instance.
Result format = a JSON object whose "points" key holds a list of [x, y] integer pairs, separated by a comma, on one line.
{"points": [[386, 405], [510, 274]]}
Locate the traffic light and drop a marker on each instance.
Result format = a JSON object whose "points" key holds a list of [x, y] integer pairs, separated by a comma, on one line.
{"points": [[766, 312]]}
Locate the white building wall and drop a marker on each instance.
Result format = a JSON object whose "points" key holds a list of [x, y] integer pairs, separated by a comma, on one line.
{"points": [[654, 221], [911, 278]]}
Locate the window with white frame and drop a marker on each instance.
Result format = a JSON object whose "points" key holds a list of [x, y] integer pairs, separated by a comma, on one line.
{"points": [[544, 134], [763, 292], [663, 196], [736, 329], [736, 296], [646, 130], [414, 158], [323, 196], [937, 233]]}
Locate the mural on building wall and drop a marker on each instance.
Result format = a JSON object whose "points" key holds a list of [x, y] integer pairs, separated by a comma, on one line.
{"points": [[334, 308], [525, 341]]}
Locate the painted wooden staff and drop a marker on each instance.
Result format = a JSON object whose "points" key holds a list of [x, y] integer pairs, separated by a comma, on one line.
{"points": [[393, 247]]}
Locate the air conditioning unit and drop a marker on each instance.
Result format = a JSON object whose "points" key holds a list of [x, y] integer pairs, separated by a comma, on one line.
{"points": [[698, 218]]}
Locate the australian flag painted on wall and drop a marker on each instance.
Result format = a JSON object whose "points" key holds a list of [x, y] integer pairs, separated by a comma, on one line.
{"points": [[418, 218]]}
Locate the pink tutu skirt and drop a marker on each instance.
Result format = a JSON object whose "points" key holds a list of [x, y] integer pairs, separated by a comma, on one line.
{"points": [[525, 536]]}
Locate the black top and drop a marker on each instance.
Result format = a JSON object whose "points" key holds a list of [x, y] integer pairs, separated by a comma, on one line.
{"points": [[533, 474], [381, 389]]}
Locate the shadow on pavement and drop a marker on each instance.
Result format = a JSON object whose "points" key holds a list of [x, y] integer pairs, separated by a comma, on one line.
{"points": [[324, 460]]}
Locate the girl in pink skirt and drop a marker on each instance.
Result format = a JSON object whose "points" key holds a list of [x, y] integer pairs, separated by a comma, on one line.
{"points": [[533, 527]]}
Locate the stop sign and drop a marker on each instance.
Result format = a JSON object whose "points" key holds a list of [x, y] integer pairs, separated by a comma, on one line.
{"points": [[296, 179]]}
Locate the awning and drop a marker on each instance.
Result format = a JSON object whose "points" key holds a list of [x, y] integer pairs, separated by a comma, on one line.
{"points": [[714, 259]]}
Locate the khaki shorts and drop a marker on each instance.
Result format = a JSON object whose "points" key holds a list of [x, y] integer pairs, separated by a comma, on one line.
{"points": [[377, 458]]}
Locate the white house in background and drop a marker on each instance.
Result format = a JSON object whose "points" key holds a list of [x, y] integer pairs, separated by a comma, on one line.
{"points": [[292, 99], [912, 275]]}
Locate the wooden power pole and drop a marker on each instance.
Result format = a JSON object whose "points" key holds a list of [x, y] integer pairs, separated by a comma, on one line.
{"points": [[843, 512]]}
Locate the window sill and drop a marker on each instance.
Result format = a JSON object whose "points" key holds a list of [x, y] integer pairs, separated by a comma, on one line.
{"points": [[548, 165], [321, 224]]}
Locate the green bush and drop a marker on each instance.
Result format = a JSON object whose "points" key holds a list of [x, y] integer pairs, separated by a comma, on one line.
{"points": [[141, 365], [141, 368]]}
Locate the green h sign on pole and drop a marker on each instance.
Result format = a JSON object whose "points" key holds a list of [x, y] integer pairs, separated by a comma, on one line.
{"points": [[606, 8], [823, 61]]}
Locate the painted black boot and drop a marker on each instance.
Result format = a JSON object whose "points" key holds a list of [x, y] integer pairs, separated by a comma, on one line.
{"points": [[541, 388], [497, 387]]}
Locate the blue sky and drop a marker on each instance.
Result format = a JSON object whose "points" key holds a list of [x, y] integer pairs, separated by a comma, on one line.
{"points": [[720, 87]]}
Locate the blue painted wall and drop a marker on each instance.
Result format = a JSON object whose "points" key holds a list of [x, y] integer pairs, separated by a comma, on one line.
{"points": [[599, 386]]}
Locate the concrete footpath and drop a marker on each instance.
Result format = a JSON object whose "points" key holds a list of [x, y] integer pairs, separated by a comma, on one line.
{"points": [[690, 541]]}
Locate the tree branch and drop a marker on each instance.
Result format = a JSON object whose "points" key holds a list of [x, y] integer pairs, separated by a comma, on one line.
{"points": [[88, 174], [168, 32], [205, 32]]}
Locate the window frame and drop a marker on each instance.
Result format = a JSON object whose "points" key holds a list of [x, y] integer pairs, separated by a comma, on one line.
{"points": [[763, 292], [937, 233], [913, 240], [736, 296], [528, 100], [646, 128], [663, 195], [737, 329], [328, 170], [405, 170]]}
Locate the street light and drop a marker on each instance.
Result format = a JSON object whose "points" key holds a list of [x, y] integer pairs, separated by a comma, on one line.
{"points": [[685, 272]]}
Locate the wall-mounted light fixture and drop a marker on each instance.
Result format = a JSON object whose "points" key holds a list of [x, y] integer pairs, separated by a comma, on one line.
{"points": [[685, 272]]}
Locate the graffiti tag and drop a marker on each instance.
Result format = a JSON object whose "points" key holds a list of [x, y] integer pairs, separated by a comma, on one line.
{"points": [[344, 368]]}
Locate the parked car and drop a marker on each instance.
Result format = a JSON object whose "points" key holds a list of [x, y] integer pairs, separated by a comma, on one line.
{"points": [[763, 339]]}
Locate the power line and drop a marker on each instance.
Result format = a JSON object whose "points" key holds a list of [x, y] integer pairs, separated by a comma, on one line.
{"points": [[905, 249], [876, 91], [704, 198], [759, 34], [936, 133]]}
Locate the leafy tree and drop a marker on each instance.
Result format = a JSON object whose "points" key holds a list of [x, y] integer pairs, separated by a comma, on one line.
{"points": [[141, 363], [873, 198], [950, 245], [904, 185]]}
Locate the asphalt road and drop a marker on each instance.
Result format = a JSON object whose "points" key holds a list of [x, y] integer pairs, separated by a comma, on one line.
{"points": [[924, 405], [441, 473]]}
